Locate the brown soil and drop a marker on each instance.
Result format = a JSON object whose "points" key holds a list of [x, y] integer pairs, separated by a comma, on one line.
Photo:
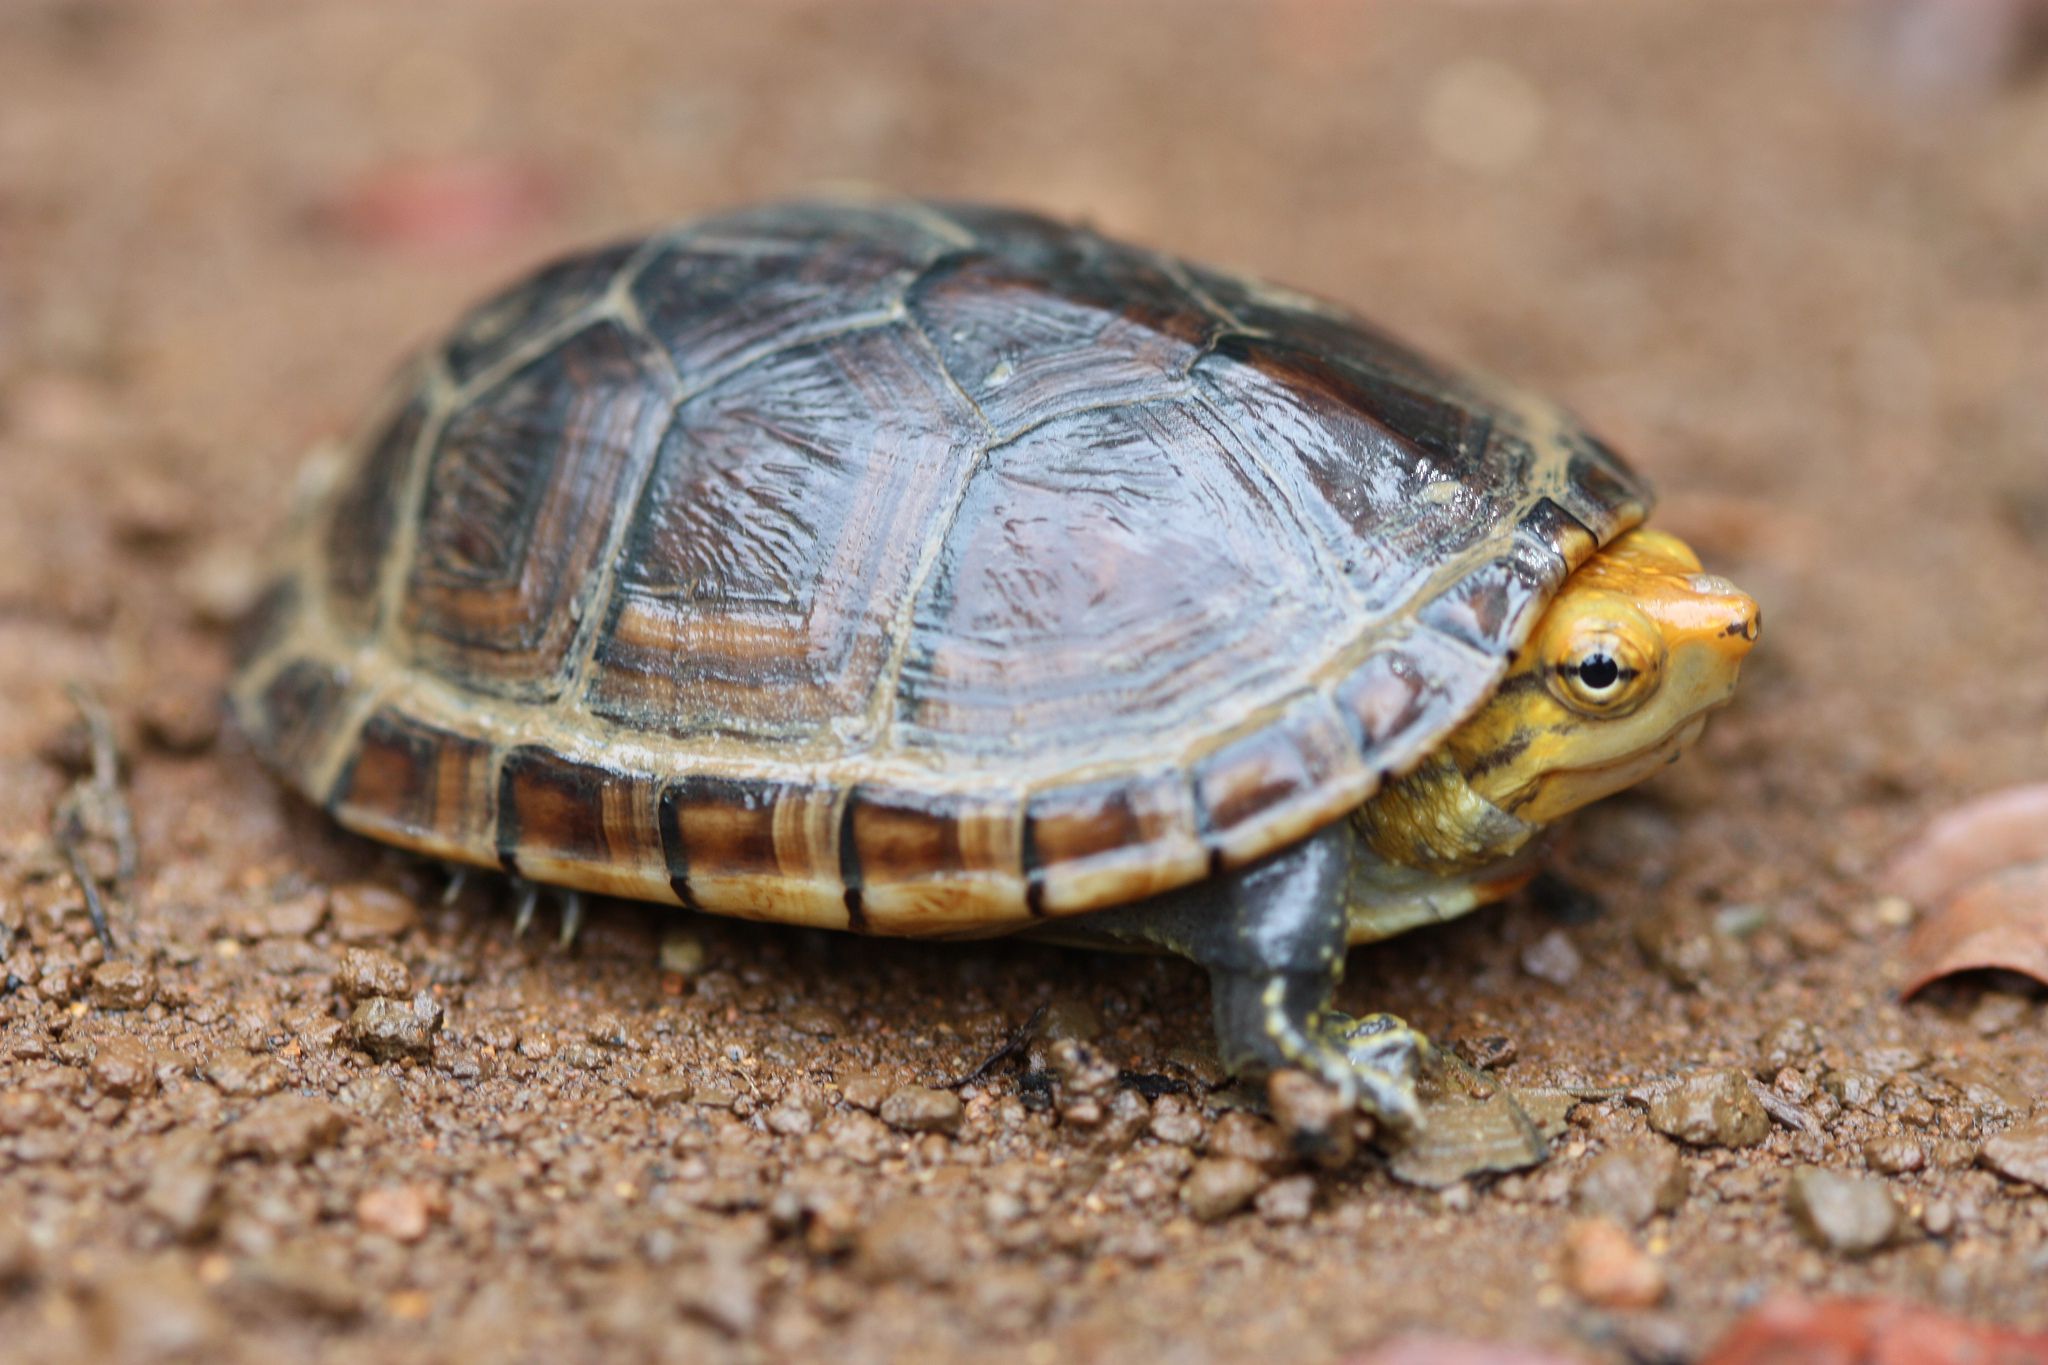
{"points": [[1801, 280]]}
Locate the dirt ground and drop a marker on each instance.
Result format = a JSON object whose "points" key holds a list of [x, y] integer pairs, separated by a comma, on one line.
{"points": [[1790, 261]]}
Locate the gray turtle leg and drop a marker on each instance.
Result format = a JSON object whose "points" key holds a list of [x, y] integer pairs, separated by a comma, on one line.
{"points": [[1273, 938]]}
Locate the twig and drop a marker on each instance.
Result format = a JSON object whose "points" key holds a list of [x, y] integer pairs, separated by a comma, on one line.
{"points": [[93, 807], [1012, 1045]]}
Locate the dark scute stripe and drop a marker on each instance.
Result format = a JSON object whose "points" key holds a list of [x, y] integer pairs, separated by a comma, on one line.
{"points": [[675, 849], [508, 818], [1557, 528], [1029, 863], [849, 864]]}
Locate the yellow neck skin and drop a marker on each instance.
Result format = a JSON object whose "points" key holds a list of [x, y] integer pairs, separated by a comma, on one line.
{"points": [[1615, 682]]}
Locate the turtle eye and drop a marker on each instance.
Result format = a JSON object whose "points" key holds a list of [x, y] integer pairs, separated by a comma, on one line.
{"points": [[1598, 674], [1602, 675]]}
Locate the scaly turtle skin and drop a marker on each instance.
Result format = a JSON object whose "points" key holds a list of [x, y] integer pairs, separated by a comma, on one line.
{"points": [[938, 570]]}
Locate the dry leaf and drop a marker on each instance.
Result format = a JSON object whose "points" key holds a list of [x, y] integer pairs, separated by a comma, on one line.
{"points": [[1999, 923], [1972, 841]]}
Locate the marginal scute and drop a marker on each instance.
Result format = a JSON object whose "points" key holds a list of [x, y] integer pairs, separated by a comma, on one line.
{"points": [[293, 717], [916, 567], [916, 857], [1272, 786], [1101, 842], [579, 823], [726, 841], [1493, 607], [1409, 691], [424, 787]]}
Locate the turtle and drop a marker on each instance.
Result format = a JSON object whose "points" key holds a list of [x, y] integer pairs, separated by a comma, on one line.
{"points": [[940, 569]]}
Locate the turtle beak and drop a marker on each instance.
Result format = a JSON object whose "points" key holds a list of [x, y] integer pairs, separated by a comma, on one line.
{"points": [[1709, 636]]}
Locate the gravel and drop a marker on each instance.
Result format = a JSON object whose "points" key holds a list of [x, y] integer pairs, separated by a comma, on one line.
{"points": [[1220, 1186], [1605, 1267], [1850, 1215], [1632, 1183], [390, 1029], [2019, 1154], [919, 1109], [1711, 1109]]}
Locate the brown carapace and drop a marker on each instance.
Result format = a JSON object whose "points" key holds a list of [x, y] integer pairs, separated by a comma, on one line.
{"points": [[910, 568]]}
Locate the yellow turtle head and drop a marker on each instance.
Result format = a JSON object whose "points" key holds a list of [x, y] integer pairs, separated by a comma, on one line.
{"points": [[1616, 681]]}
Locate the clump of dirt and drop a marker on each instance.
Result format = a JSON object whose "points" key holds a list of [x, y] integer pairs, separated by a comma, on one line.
{"points": [[303, 1103]]}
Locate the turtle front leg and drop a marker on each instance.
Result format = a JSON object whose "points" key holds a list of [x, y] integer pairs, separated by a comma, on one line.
{"points": [[1273, 937]]}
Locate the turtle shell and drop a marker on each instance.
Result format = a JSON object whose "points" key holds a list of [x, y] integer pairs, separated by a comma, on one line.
{"points": [[913, 568]]}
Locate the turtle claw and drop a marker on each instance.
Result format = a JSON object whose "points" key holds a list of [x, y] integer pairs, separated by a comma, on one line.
{"points": [[529, 901], [458, 878], [572, 917]]}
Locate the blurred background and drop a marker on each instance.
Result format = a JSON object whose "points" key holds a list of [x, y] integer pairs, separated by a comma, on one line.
{"points": [[1791, 258]]}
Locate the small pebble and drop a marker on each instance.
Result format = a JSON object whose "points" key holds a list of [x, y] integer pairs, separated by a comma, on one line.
{"points": [[1847, 1214], [1688, 952], [1070, 1016], [1894, 1154], [363, 912], [1604, 1266], [122, 1066], [1856, 1089], [365, 972], [1553, 958], [1220, 1186], [2019, 1154], [1711, 1109], [389, 1029], [864, 1090], [1488, 1053], [183, 1193], [815, 1021], [1632, 1183], [918, 1109], [1288, 1201], [244, 1074], [1247, 1137], [1787, 1044], [286, 1128], [400, 1212], [1174, 1124], [293, 917], [122, 985], [682, 954]]}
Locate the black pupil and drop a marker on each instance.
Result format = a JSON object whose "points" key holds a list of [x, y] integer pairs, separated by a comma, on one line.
{"points": [[1599, 672]]}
